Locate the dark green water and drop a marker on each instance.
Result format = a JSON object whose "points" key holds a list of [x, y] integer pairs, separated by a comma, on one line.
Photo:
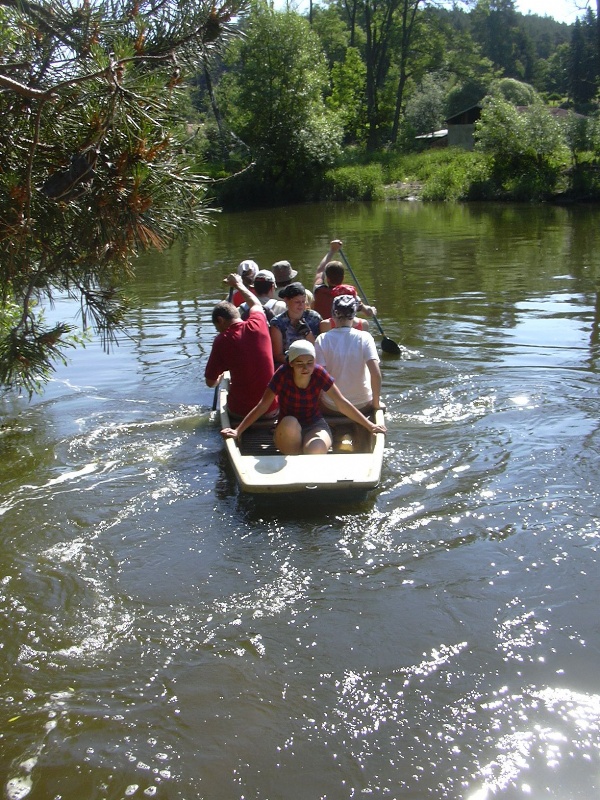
{"points": [[162, 636]]}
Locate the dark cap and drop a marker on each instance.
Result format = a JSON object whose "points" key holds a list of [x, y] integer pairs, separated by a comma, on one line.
{"points": [[344, 305], [293, 290]]}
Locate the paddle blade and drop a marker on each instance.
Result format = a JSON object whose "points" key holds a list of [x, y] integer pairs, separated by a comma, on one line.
{"points": [[390, 346]]}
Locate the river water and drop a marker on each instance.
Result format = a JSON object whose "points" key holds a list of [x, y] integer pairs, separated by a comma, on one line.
{"points": [[163, 636]]}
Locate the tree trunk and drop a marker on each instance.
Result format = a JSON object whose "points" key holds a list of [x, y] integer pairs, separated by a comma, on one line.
{"points": [[409, 13], [216, 111]]}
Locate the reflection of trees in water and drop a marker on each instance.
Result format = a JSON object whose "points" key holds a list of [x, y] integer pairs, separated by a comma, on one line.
{"points": [[180, 331], [416, 262]]}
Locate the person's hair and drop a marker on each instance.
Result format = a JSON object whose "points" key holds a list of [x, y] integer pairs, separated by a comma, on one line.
{"points": [[292, 290], [262, 287], [335, 272], [344, 306], [225, 310]]}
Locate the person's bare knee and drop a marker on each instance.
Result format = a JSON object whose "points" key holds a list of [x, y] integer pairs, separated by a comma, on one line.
{"points": [[317, 443], [288, 436]]}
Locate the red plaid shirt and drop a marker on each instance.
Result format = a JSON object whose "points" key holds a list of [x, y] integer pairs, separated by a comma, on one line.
{"points": [[296, 402]]}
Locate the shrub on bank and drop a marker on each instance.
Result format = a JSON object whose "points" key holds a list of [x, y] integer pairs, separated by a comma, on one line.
{"points": [[359, 182], [442, 175]]}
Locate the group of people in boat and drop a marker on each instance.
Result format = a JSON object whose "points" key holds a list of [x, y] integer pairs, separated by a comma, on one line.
{"points": [[294, 355]]}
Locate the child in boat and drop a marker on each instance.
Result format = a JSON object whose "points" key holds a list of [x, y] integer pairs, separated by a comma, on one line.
{"points": [[329, 284], [297, 385]]}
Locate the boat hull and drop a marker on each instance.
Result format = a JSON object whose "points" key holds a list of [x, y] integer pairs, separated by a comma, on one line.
{"points": [[260, 469]]}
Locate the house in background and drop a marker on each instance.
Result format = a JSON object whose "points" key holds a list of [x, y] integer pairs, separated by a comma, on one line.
{"points": [[434, 139], [461, 127], [458, 133]]}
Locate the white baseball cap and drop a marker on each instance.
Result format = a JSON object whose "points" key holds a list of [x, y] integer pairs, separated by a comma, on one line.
{"points": [[248, 267]]}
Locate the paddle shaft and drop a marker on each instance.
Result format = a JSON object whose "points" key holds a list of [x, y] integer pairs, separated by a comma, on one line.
{"points": [[360, 289]]}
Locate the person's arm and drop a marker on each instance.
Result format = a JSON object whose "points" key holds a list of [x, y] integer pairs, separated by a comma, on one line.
{"points": [[334, 246], [345, 407], [259, 409], [277, 343], [215, 382], [235, 280], [369, 311], [375, 373], [324, 326]]}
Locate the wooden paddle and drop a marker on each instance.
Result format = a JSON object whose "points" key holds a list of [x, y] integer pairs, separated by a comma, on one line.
{"points": [[387, 345]]}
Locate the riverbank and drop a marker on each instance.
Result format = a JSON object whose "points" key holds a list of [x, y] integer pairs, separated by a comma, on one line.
{"points": [[445, 175]]}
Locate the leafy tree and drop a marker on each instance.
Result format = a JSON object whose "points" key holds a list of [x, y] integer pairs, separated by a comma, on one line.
{"points": [[527, 146], [410, 24], [495, 28], [274, 98], [333, 32], [93, 163], [348, 95], [583, 61], [576, 129], [426, 108], [515, 92], [553, 72]]}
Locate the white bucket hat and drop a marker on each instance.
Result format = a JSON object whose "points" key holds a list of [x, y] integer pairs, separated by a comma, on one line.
{"points": [[300, 348]]}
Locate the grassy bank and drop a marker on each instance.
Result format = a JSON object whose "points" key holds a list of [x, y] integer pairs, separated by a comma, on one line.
{"points": [[453, 174]]}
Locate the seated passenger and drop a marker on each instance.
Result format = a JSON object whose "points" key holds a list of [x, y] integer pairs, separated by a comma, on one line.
{"points": [[264, 289], [350, 356], [297, 322], [243, 348], [327, 324], [248, 270], [284, 274], [329, 284], [297, 385]]}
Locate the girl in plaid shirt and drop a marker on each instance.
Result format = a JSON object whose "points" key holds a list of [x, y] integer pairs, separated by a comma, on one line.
{"points": [[298, 384]]}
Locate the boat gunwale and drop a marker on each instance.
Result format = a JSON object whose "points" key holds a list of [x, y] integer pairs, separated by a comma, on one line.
{"points": [[273, 473]]}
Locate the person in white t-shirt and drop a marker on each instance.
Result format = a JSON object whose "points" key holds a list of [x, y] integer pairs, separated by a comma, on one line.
{"points": [[350, 356]]}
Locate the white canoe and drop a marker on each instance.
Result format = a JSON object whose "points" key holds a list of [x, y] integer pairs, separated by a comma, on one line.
{"points": [[261, 469]]}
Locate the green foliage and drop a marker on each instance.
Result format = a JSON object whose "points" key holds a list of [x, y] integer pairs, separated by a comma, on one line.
{"points": [[332, 32], [528, 148], [583, 62], [94, 166], [576, 132], [348, 95], [460, 176], [353, 183], [274, 99], [496, 27], [515, 92], [425, 110]]}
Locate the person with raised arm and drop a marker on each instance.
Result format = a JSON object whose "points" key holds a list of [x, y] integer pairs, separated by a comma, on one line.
{"points": [[329, 284], [244, 348]]}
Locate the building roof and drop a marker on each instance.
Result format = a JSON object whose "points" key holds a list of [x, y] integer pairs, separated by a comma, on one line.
{"points": [[434, 134]]}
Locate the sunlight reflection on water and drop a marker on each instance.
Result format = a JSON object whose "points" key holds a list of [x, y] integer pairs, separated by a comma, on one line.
{"points": [[164, 636]]}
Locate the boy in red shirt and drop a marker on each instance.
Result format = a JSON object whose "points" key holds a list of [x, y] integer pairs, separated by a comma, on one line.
{"points": [[329, 284]]}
